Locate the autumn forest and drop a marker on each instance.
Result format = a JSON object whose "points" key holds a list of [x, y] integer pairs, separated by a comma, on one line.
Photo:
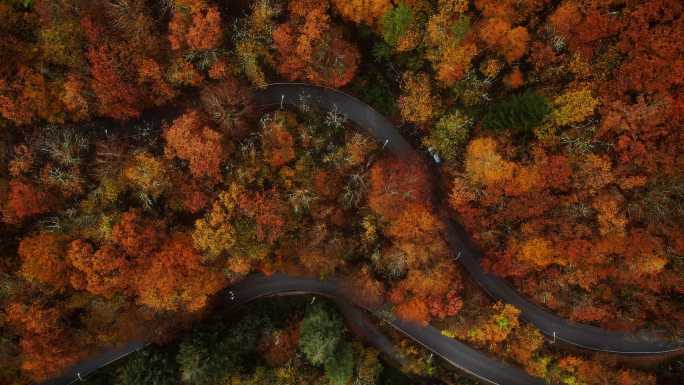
{"points": [[148, 167]]}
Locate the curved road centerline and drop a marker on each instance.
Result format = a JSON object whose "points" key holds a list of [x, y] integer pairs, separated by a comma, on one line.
{"points": [[553, 326], [459, 355]]}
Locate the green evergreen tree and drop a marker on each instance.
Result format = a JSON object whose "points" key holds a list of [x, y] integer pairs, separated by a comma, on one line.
{"points": [[320, 333], [396, 22], [520, 113], [149, 367], [202, 358], [206, 356], [340, 366]]}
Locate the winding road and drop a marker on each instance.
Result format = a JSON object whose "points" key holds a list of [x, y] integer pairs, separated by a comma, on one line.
{"points": [[459, 355], [557, 328]]}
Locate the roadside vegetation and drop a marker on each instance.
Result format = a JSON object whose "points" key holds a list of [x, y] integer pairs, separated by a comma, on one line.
{"points": [[138, 178], [268, 342]]}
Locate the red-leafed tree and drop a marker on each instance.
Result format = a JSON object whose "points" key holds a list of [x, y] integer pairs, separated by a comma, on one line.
{"points": [[278, 143], [205, 32], [26, 96], [448, 306], [583, 30], [137, 235], [43, 260], [280, 346], [189, 194], [104, 272], [46, 345], [198, 30], [396, 183], [117, 96], [24, 200], [269, 211], [190, 138], [310, 48]]}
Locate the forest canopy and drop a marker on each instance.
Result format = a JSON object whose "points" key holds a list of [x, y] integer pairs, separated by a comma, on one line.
{"points": [[139, 177]]}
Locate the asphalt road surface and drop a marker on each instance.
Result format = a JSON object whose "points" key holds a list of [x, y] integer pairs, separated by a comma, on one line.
{"points": [[459, 355], [556, 328]]}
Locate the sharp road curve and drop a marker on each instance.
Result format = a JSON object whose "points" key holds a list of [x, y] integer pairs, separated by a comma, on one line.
{"points": [[461, 356], [581, 335]]}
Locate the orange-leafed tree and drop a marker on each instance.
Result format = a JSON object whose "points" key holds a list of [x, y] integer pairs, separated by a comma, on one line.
{"points": [[414, 310], [190, 138], [43, 260], [198, 30], [515, 45], [176, 279], [24, 200], [451, 46], [366, 288], [46, 346], [74, 98], [498, 34], [454, 62], [501, 321], [310, 48], [515, 79], [362, 11], [147, 173], [537, 252], [524, 344], [277, 142], [565, 18], [395, 183], [116, 93], [27, 97], [152, 79], [610, 217], [104, 272], [269, 211], [137, 235], [438, 280], [205, 32], [645, 255], [415, 222], [417, 102], [416, 231], [499, 30], [439, 287], [484, 165]]}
